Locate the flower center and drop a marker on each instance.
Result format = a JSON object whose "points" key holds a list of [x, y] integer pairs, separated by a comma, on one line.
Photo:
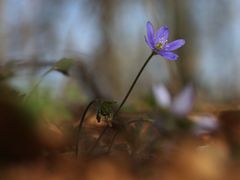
{"points": [[159, 46]]}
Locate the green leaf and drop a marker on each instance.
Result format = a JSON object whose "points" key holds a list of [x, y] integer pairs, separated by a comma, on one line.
{"points": [[105, 110], [63, 65]]}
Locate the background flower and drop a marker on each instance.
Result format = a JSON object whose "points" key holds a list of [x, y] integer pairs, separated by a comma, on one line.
{"points": [[180, 105]]}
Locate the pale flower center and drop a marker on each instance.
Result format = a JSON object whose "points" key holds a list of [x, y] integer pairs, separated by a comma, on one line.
{"points": [[160, 45]]}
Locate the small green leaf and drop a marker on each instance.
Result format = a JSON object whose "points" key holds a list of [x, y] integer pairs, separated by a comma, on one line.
{"points": [[63, 65], [105, 110]]}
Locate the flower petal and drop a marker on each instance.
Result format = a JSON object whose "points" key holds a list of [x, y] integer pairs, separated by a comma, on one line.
{"points": [[162, 95], [150, 33], [183, 103], [162, 35], [168, 55], [148, 43], [174, 45]]}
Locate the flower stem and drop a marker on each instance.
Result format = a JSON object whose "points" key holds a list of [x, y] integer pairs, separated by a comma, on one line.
{"points": [[112, 141], [122, 103], [133, 84], [98, 139], [36, 85], [81, 124]]}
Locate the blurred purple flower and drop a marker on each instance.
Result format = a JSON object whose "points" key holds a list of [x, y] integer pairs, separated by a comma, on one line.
{"points": [[158, 42], [180, 105]]}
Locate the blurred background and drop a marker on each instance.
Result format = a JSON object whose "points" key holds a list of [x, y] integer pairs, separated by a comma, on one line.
{"points": [[106, 38], [39, 112]]}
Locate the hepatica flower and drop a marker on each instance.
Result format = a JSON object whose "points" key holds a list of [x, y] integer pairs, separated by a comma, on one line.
{"points": [[158, 42], [180, 105]]}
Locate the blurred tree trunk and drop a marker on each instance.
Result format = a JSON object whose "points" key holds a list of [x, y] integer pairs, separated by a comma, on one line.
{"points": [[106, 64], [184, 29]]}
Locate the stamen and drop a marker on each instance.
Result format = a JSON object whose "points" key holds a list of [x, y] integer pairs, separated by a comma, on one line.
{"points": [[159, 45]]}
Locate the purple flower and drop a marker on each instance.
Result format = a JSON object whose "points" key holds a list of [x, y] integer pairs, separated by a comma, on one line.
{"points": [[158, 42], [180, 105]]}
